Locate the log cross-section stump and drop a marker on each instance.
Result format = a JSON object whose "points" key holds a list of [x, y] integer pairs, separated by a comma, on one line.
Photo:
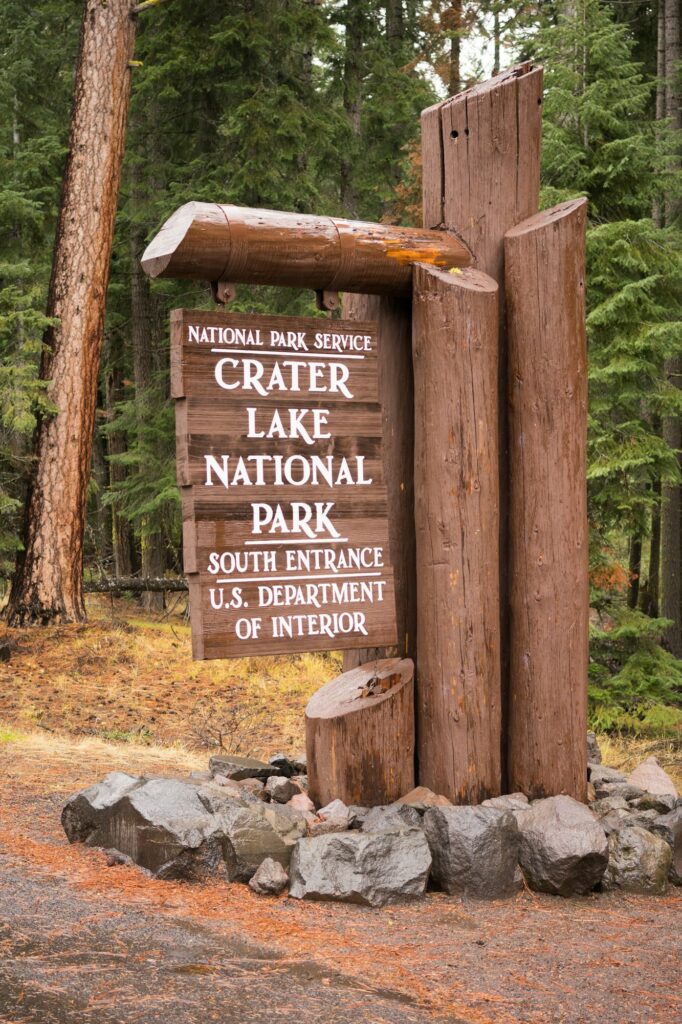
{"points": [[360, 735], [545, 270], [455, 327]]}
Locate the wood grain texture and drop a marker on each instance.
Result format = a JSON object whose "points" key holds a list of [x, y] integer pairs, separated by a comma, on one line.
{"points": [[545, 268], [481, 155], [456, 517], [393, 318], [306, 590], [360, 735], [212, 242]]}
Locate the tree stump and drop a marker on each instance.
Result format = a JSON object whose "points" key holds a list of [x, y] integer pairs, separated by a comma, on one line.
{"points": [[360, 735]]}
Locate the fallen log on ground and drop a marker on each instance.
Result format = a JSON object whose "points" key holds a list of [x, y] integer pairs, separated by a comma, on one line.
{"points": [[136, 584]]}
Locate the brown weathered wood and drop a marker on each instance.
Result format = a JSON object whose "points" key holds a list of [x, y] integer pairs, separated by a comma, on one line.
{"points": [[545, 268], [481, 156], [212, 242], [396, 397], [455, 325], [314, 588], [360, 735]]}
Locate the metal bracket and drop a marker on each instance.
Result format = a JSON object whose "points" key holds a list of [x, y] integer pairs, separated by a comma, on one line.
{"points": [[223, 292], [327, 301]]}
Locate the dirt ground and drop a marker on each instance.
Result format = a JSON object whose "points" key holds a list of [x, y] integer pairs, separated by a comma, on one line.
{"points": [[84, 943]]}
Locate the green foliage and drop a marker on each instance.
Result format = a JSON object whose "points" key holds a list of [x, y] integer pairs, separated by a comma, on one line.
{"points": [[635, 685]]}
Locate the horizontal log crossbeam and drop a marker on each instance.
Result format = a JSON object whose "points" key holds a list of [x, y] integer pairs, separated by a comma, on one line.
{"points": [[215, 242]]}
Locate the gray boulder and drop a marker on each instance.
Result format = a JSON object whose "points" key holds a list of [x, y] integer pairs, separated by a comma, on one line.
{"points": [[662, 803], [357, 815], [270, 878], [509, 802], [625, 790], [334, 809], [255, 833], [281, 789], [325, 826], [358, 867], [602, 773], [563, 848], [165, 826], [593, 751], [638, 862], [391, 818], [234, 767], [669, 827], [474, 850], [288, 765], [650, 777], [83, 811]]}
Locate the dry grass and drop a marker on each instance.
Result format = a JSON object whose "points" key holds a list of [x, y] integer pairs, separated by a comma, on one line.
{"points": [[626, 752], [123, 676]]}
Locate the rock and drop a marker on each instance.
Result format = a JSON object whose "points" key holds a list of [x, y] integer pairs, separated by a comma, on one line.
{"points": [[325, 826], [651, 778], [234, 767], [235, 789], [256, 833], [613, 821], [638, 862], [83, 811], [335, 809], [392, 818], [301, 781], [623, 789], [593, 751], [609, 803], [591, 793], [270, 878], [642, 819], [510, 802], [288, 766], [301, 802], [669, 828], [663, 803], [358, 867], [474, 850], [163, 825], [357, 815], [563, 848], [281, 789], [253, 787], [601, 773], [421, 797]]}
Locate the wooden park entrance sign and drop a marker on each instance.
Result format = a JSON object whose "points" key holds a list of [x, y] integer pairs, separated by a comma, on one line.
{"points": [[478, 357], [280, 465]]}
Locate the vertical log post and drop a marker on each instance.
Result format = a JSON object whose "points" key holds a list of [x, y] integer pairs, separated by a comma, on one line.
{"points": [[481, 158], [396, 394], [545, 268], [455, 329]]}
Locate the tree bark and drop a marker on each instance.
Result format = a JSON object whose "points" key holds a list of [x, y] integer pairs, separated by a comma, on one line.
{"points": [[360, 735], [635, 569], [48, 582], [549, 590], [396, 396], [459, 712], [121, 539], [145, 330]]}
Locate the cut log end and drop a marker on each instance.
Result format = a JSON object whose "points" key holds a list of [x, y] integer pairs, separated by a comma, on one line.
{"points": [[360, 735]]}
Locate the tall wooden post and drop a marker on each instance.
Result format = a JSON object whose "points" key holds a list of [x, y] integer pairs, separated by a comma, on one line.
{"points": [[545, 271], [454, 337], [396, 395], [481, 177]]}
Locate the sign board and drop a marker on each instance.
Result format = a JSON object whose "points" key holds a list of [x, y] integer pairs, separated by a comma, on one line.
{"points": [[279, 460]]}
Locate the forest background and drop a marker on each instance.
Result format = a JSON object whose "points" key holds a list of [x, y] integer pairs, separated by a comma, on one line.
{"points": [[313, 106]]}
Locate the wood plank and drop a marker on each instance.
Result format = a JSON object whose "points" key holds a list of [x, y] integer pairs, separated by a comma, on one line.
{"points": [[545, 275]]}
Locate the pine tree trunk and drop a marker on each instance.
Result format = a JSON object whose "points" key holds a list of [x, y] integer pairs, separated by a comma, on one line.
{"points": [[454, 23], [48, 582], [635, 569], [352, 103], [648, 594], [121, 539], [145, 334]]}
